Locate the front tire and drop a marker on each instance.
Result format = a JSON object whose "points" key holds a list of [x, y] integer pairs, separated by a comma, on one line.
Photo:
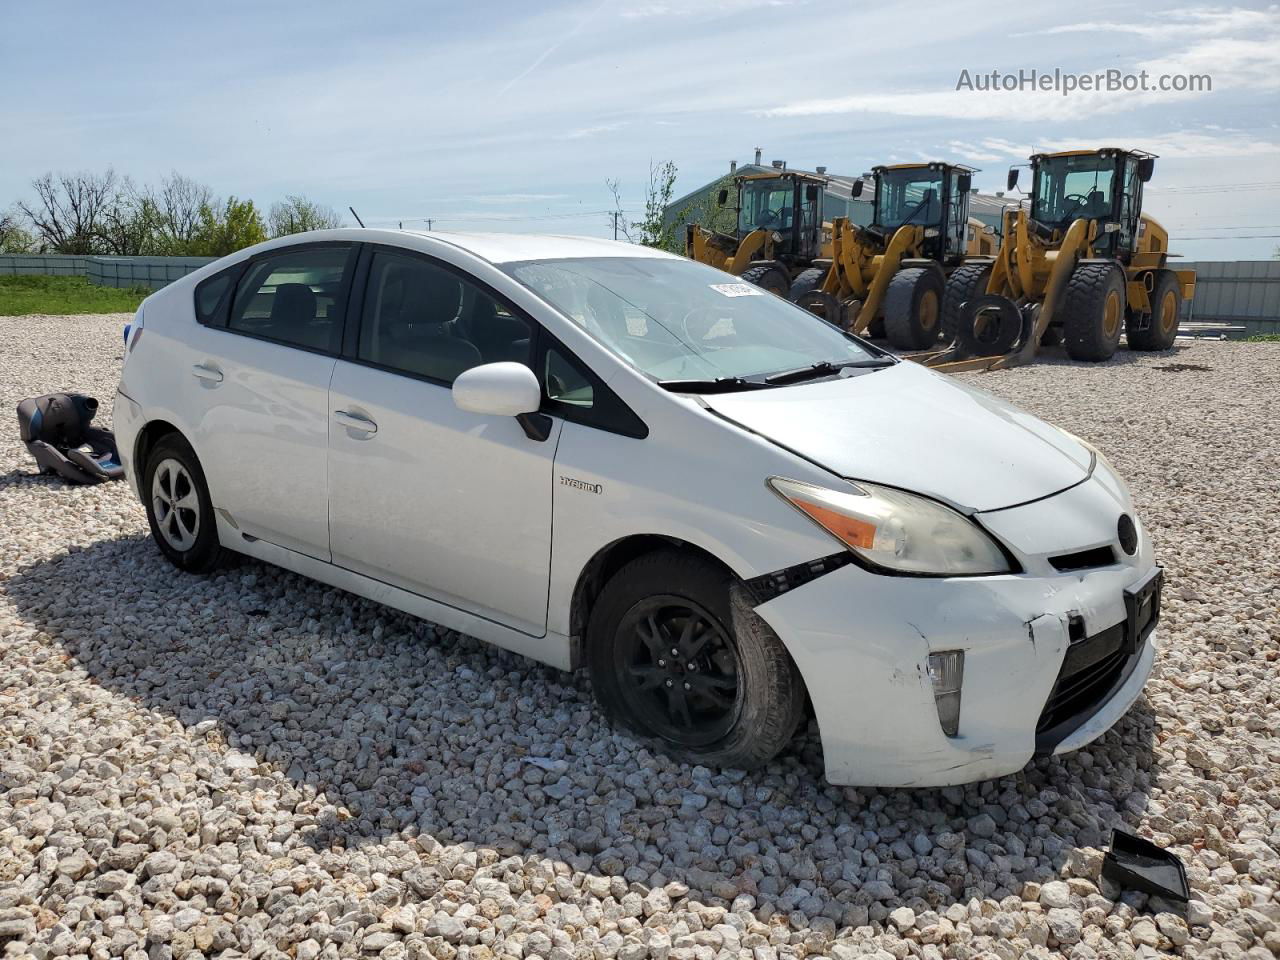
{"points": [[967, 281], [1093, 309], [179, 509], [769, 276], [1166, 303], [689, 670], [913, 306]]}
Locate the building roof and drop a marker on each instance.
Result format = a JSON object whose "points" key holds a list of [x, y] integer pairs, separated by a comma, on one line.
{"points": [[839, 184]]}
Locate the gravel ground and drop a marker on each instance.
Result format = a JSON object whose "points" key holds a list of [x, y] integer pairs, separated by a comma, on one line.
{"points": [[252, 764]]}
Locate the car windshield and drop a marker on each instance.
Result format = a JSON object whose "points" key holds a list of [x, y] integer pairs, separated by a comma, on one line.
{"points": [[1073, 187], [768, 202], [677, 320], [909, 196]]}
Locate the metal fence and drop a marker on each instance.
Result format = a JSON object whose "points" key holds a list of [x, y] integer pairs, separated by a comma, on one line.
{"points": [[150, 272], [1240, 293]]}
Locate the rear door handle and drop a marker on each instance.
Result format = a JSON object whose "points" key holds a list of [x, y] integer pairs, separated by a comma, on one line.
{"points": [[212, 374], [353, 421]]}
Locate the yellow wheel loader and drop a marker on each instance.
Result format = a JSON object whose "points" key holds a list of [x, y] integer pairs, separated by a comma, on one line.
{"points": [[892, 274], [1080, 266], [778, 232]]}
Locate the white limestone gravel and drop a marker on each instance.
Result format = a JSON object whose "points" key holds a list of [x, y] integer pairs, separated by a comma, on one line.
{"points": [[250, 764]]}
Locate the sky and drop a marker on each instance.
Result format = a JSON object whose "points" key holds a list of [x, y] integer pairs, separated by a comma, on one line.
{"points": [[512, 116]]}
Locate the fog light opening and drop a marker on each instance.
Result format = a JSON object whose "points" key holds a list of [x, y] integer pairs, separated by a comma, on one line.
{"points": [[946, 670]]}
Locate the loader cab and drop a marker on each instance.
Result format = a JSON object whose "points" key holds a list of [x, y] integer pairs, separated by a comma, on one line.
{"points": [[1104, 186], [934, 196], [788, 205]]}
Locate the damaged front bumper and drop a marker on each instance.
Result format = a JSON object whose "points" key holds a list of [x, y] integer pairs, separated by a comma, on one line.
{"points": [[862, 641]]}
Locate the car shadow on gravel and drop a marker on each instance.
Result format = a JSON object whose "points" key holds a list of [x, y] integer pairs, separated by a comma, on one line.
{"points": [[398, 730]]}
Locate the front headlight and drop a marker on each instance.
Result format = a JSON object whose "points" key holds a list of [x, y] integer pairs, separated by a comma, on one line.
{"points": [[896, 530]]}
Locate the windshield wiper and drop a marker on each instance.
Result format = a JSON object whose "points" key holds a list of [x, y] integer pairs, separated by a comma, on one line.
{"points": [[718, 385], [824, 368]]}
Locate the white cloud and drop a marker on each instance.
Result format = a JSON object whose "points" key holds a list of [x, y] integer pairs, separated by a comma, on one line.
{"points": [[582, 133], [1237, 49]]}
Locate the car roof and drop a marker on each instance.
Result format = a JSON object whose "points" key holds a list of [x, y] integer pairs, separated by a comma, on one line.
{"points": [[494, 247]]}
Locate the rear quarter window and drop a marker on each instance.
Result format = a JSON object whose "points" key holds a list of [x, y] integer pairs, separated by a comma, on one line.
{"points": [[213, 296]]}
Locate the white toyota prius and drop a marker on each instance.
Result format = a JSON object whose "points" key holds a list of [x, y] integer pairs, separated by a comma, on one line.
{"points": [[598, 454]]}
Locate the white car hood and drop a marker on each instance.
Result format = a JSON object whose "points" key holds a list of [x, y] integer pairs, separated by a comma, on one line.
{"points": [[908, 427]]}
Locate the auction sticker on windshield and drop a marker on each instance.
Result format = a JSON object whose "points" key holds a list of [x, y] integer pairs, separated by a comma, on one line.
{"points": [[736, 289]]}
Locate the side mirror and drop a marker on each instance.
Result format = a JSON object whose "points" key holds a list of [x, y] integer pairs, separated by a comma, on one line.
{"points": [[503, 390], [497, 389], [964, 181], [1013, 178], [811, 193], [1146, 167], [857, 189], [722, 197]]}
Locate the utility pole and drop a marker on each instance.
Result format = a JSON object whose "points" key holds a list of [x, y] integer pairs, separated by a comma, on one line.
{"points": [[615, 224], [428, 225]]}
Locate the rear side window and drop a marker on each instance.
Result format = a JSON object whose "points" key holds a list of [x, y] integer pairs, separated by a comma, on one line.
{"points": [[296, 298]]}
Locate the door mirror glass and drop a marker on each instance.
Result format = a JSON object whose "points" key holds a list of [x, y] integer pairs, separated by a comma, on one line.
{"points": [[856, 191], [1013, 178], [722, 197], [1146, 167], [811, 192], [964, 182], [504, 389]]}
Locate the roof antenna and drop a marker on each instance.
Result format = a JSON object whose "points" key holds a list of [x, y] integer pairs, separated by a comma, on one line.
{"points": [[357, 216]]}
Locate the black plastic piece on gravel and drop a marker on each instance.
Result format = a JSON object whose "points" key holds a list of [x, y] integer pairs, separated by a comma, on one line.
{"points": [[1136, 864]]}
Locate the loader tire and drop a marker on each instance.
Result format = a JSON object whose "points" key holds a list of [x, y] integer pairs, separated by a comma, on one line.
{"points": [[913, 307], [990, 325], [1093, 311], [1166, 303], [967, 281], [823, 305], [807, 281], [770, 277]]}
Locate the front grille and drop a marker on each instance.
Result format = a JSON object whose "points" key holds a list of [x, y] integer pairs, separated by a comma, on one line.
{"points": [[1096, 666], [1084, 559], [1090, 672]]}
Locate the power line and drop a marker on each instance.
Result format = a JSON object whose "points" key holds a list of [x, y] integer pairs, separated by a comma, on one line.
{"points": [[1238, 236]]}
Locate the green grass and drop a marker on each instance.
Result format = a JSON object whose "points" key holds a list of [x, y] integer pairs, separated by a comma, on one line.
{"points": [[23, 295], [1263, 338]]}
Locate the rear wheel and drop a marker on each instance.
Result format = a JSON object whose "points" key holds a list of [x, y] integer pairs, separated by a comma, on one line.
{"points": [[1166, 302], [1093, 309], [913, 307], [676, 661], [179, 510], [967, 281], [768, 276]]}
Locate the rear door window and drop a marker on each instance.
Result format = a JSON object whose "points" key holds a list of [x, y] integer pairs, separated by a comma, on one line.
{"points": [[295, 297]]}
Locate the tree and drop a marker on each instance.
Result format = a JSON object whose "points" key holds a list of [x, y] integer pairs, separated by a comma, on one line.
{"points": [[222, 230], [652, 230], [708, 212], [178, 205], [297, 214], [67, 214], [129, 222], [14, 237]]}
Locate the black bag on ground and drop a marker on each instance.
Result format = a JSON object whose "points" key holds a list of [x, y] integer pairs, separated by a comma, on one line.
{"points": [[56, 430]]}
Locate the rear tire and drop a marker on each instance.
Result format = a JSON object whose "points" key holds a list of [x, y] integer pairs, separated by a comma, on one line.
{"points": [[1166, 303], [913, 306], [179, 509], [1093, 309], [967, 281], [730, 696], [768, 276]]}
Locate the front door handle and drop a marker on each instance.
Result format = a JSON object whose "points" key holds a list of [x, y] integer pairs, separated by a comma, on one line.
{"points": [[353, 421], [204, 372]]}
